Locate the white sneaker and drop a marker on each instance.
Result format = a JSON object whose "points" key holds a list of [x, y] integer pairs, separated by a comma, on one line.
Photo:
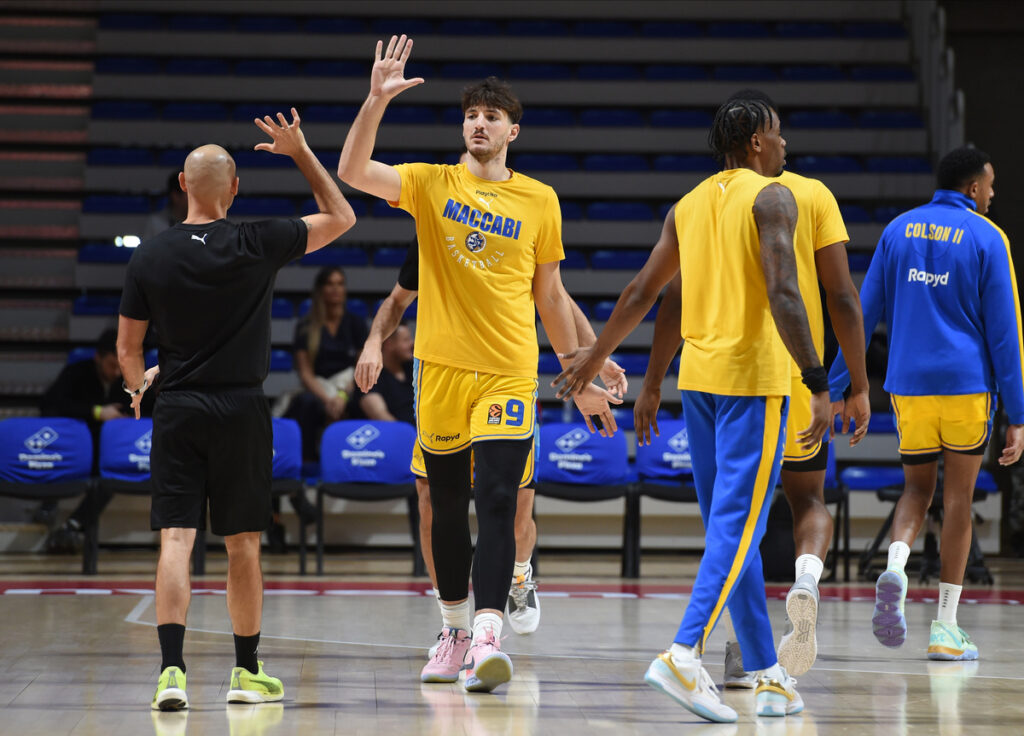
{"points": [[735, 676], [778, 698], [433, 648], [523, 606], [690, 685], [799, 645]]}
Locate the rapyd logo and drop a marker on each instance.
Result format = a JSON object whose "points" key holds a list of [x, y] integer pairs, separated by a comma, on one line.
{"points": [[363, 436], [680, 441], [145, 443], [41, 439], [571, 440]]}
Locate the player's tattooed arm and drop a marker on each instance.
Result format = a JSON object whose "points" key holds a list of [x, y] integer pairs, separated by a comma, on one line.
{"points": [[775, 213]]}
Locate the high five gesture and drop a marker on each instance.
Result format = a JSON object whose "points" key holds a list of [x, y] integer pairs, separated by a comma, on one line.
{"points": [[388, 76]]}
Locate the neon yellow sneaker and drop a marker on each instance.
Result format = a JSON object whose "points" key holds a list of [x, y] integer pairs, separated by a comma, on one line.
{"points": [[950, 642], [249, 688], [170, 690]]}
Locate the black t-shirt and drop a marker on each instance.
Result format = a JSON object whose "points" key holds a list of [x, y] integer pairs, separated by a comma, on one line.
{"points": [[336, 352], [397, 394], [409, 273], [207, 289]]}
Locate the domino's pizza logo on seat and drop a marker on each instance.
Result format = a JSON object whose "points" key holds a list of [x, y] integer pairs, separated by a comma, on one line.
{"points": [[363, 436], [41, 439], [145, 443], [680, 441], [572, 439]]}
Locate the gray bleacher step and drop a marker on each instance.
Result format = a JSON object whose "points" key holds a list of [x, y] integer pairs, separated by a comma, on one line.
{"points": [[45, 72], [47, 171], [35, 27], [39, 219], [28, 374], [29, 123], [38, 268], [36, 320]]}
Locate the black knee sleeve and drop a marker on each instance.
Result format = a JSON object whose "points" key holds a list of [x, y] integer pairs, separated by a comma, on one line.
{"points": [[499, 468], [449, 478]]}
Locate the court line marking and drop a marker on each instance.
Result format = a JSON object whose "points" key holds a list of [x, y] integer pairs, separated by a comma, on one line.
{"points": [[134, 618]]}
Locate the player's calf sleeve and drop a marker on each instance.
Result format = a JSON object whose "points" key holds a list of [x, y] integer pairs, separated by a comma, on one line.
{"points": [[451, 545]]}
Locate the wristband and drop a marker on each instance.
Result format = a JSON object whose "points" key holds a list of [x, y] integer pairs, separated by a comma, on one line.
{"points": [[96, 411], [136, 392], [343, 394], [816, 379]]}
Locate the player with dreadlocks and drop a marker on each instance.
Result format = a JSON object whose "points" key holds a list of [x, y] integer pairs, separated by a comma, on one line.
{"points": [[732, 240]]}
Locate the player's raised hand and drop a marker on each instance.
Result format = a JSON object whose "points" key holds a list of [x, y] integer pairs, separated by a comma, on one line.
{"points": [[387, 78], [369, 366], [593, 401], [581, 371], [613, 376], [287, 138]]}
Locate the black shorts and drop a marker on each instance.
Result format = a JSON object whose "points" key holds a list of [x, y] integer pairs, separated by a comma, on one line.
{"points": [[818, 461], [215, 447]]}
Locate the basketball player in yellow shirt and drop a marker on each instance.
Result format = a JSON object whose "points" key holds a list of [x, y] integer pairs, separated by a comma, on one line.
{"points": [[731, 238], [820, 254], [490, 243]]}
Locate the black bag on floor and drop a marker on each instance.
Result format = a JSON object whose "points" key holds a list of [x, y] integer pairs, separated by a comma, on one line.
{"points": [[778, 550]]}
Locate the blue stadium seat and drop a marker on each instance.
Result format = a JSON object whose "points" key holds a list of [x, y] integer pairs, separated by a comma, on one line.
{"points": [[986, 482], [389, 256], [124, 451], [411, 115], [611, 116], [571, 210], [287, 449], [550, 116], [115, 203], [629, 259], [890, 119], [548, 363], [187, 65], [248, 112], [103, 253], [685, 163], [120, 157], [546, 162], [858, 261], [267, 24], [539, 71], [245, 159], [874, 30], [266, 68], [888, 213], [812, 73], [615, 162], [123, 110], [194, 23], [667, 458], [310, 207], [78, 355], [854, 213], [619, 211], [539, 28], [334, 256], [380, 208], [574, 259], [879, 73], [804, 29], [452, 115], [570, 454], [826, 165], [872, 477], [663, 209], [674, 72], [671, 29], [397, 26], [737, 29], [280, 361], [336, 24], [96, 305], [681, 119], [127, 65], [281, 308], [357, 307], [322, 68], [618, 29], [329, 114], [410, 311], [192, 111], [393, 158], [464, 70], [263, 206], [744, 73], [819, 119], [468, 27], [898, 165], [172, 158], [607, 71], [130, 22]]}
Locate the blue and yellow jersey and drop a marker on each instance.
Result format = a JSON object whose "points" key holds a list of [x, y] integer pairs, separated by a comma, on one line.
{"points": [[479, 244], [731, 344], [943, 280]]}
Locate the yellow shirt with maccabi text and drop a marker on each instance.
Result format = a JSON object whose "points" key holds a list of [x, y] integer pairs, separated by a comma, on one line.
{"points": [[480, 242]]}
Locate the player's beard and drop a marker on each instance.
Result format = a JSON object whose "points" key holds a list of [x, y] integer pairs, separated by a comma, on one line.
{"points": [[492, 152]]}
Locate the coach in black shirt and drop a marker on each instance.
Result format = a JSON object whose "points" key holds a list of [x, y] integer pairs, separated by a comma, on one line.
{"points": [[206, 285]]}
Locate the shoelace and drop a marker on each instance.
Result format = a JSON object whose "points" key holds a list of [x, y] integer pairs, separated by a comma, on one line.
{"points": [[446, 647], [521, 589], [706, 682]]}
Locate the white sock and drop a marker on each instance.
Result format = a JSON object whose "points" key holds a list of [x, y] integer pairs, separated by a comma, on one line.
{"points": [[522, 568], [949, 597], [809, 565], [485, 623], [437, 597], [682, 653], [899, 553], [455, 615], [774, 672]]}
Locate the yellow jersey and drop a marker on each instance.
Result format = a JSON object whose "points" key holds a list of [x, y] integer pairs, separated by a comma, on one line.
{"points": [[479, 244], [731, 345], [818, 225]]}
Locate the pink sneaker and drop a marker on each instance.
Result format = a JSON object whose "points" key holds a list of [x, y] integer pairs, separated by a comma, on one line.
{"points": [[487, 666], [448, 660]]}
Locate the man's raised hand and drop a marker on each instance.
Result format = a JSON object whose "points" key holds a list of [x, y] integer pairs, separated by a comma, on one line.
{"points": [[287, 138], [387, 78]]}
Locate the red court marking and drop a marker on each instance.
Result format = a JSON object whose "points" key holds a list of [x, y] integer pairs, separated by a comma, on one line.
{"points": [[570, 590]]}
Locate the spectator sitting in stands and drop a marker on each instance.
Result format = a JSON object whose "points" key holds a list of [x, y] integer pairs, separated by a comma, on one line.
{"points": [[391, 399], [89, 390], [327, 344], [172, 213]]}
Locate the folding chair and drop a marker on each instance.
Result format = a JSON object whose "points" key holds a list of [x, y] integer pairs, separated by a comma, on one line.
{"points": [[287, 472]]}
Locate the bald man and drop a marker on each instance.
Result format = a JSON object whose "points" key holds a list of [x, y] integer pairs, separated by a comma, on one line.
{"points": [[206, 284]]}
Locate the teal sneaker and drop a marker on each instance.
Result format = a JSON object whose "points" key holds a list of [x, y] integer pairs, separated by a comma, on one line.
{"points": [[950, 642], [888, 622], [170, 690], [775, 698], [247, 687]]}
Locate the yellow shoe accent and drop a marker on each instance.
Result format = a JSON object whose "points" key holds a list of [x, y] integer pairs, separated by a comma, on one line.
{"points": [[666, 657], [247, 687], [170, 690]]}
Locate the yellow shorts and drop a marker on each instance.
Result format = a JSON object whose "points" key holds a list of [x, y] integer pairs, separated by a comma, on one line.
{"points": [[799, 420], [457, 407], [419, 468], [929, 424]]}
